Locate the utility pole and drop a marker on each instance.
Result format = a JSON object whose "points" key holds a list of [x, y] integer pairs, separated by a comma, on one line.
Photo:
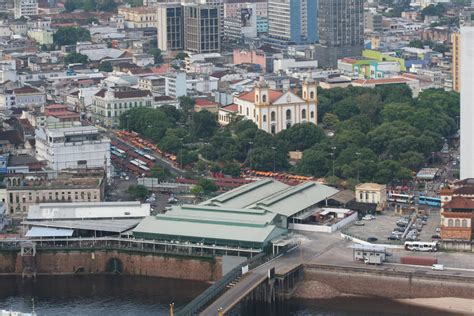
{"points": [[250, 156], [333, 158], [274, 153], [358, 165]]}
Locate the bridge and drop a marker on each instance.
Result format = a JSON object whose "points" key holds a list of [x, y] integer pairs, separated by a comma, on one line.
{"points": [[261, 277]]}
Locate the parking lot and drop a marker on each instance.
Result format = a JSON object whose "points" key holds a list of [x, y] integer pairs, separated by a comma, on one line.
{"points": [[383, 225]]}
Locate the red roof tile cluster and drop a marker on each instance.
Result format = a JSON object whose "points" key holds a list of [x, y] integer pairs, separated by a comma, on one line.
{"points": [[205, 103], [273, 95], [460, 203], [231, 108]]}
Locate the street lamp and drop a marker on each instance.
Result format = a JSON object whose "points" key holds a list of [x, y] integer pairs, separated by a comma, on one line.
{"points": [[274, 153], [358, 165], [250, 155], [333, 157]]}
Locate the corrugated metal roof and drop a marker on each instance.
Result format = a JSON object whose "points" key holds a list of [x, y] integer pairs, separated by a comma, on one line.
{"points": [[109, 225], [83, 210], [296, 199], [48, 232], [206, 231], [199, 213], [248, 194]]}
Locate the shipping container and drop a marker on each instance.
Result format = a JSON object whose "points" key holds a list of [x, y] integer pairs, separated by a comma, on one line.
{"points": [[419, 261]]}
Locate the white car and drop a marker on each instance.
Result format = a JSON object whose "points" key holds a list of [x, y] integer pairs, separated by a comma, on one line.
{"points": [[437, 267]]}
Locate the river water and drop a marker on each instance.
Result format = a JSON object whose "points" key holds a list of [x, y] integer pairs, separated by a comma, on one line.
{"points": [[130, 295]]}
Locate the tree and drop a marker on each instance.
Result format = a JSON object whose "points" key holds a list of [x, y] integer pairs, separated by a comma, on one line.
{"points": [[160, 173], [232, 169], [197, 190], [441, 48], [75, 58], [105, 66], [70, 35], [181, 56], [300, 136], [207, 185], [330, 120], [156, 53], [137, 192], [204, 124], [314, 163], [134, 3], [417, 43], [433, 10], [186, 103]]}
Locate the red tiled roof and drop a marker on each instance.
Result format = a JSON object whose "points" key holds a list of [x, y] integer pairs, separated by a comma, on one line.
{"points": [[468, 190], [55, 106], [132, 94], [26, 90], [164, 98], [161, 69], [273, 95], [231, 107], [381, 81], [205, 103], [460, 202]]}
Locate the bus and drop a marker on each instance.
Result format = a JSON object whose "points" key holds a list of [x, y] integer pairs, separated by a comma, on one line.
{"points": [[141, 153], [151, 158], [141, 162], [421, 246], [135, 163], [144, 168], [117, 154], [401, 198], [428, 200]]}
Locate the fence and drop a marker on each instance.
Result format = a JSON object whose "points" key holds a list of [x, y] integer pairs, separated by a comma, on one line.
{"points": [[217, 288]]}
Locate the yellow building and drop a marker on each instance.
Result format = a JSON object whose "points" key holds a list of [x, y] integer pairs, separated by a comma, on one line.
{"points": [[42, 37], [139, 17], [372, 193], [456, 40]]}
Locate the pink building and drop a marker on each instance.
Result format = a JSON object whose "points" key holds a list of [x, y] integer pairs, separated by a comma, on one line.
{"points": [[244, 56]]}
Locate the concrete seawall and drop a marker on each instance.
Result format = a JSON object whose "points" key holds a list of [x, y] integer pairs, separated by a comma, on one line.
{"points": [[322, 282], [121, 261]]}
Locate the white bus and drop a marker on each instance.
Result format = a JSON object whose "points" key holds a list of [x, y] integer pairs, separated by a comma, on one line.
{"points": [[421, 246], [141, 162], [401, 198], [151, 158]]}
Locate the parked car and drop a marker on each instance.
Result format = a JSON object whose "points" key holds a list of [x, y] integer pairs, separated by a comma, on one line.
{"points": [[359, 223], [372, 239], [436, 236], [438, 267], [393, 237]]}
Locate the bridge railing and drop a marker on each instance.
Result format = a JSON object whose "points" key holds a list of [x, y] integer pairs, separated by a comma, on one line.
{"points": [[193, 307]]}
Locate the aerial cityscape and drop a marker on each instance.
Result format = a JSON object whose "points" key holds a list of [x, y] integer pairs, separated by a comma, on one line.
{"points": [[236, 157]]}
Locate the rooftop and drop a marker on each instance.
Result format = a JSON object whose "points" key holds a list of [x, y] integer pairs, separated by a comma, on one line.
{"points": [[273, 95], [460, 203], [370, 186], [90, 210]]}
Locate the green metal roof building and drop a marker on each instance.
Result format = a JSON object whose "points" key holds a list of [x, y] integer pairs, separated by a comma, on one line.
{"points": [[246, 228]]}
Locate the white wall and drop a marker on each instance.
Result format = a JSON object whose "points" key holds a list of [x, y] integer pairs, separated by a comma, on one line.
{"points": [[325, 229]]}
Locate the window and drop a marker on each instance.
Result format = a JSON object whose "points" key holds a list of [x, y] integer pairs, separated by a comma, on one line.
{"points": [[450, 223], [457, 223], [264, 98], [264, 118], [361, 196], [288, 114], [311, 94], [247, 111], [272, 116], [464, 223], [304, 95], [273, 129], [303, 114], [312, 114]]}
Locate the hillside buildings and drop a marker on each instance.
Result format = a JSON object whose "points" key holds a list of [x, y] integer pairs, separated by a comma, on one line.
{"points": [[467, 102]]}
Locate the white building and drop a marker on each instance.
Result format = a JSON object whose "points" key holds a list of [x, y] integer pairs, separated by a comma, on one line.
{"points": [[467, 102], [72, 147], [110, 103], [25, 8], [274, 110], [22, 97], [175, 84], [372, 193]]}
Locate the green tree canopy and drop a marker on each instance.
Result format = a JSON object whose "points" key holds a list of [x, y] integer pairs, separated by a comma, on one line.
{"points": [[70, 35], [105, 66], [75, 58], [138, 192]]}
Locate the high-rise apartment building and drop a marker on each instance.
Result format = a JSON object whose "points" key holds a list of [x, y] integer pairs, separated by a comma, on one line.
{"points": [[467, 101], [456, 39], [293, 21], [341, 30], [25, 8], [170, 26], [202, 28]]}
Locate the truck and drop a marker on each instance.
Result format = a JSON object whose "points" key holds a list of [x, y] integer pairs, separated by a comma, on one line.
{"points": [[373, 260]]}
